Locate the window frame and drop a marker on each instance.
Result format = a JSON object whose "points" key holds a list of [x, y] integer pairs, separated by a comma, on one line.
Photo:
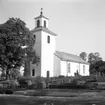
{"points": [[34, 36], [48, 39], [38, 23], [45, 23], [83, 69], [33, 72], [69, 67]]}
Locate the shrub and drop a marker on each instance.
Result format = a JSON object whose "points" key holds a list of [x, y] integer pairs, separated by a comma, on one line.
{"points": [[14, 84], [1, 90], [23, 83], [8, 91], [38, 83], [40, 93]]}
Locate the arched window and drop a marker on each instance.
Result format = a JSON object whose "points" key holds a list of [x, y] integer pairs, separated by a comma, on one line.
{"points": [[48, 74], [34, 36], [44, 23], [69, 67], [38, 23], [84, 69], [48, 39], [33, 72]]}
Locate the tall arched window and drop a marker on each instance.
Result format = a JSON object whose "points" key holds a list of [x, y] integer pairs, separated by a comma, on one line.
{"points": [[84, 69], [44, 23], [38, 23], [48, 39], [34, 37], [48, 74], [69, 67], [33, 72]]}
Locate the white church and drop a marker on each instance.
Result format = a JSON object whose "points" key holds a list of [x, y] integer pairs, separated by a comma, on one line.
{"points": [[52, 62]]}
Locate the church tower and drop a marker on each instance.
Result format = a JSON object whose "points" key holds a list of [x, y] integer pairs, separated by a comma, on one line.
{"points": [[44, 47]]}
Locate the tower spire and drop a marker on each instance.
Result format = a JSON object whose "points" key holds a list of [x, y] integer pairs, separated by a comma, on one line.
{"points": [[41, 11]]}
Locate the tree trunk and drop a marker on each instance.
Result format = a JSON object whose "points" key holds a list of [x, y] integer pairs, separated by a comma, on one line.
{"points": [[7, 74]]}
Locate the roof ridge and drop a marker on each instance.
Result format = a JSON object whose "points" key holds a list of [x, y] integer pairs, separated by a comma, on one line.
{"points": [[43, 29], [68, 53], [69, 57]]}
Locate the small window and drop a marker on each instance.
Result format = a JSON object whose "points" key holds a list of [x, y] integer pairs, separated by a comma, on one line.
{"points": [[84, 69], [33, 72], [44, 23], [34, 36], [48, 74], [68, 67], [38, 23], [48, 39]]}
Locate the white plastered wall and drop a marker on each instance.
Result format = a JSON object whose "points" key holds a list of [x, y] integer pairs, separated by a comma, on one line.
{"points": [[73, 68], [37, 48], [57, 66], [47, 54]]}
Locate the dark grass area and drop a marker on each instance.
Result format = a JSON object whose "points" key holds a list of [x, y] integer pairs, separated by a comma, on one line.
{"points": [[60, 97], [18, 100]]}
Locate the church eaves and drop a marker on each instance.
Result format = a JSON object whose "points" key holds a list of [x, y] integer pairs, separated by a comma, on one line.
{"points": [[41, 17], [43, 29], [69, 57]]}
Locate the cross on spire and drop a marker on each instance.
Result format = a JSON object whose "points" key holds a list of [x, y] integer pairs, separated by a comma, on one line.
{"points": [[41, 11]]}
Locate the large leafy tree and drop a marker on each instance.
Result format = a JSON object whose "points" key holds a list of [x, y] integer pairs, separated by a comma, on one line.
{"points": [[16, 45], [83, 55], [94, 57], [96, 63], [98, 68]]}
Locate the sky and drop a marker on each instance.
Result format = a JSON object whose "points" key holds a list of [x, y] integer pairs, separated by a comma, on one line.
{"points": [[79, 24]]}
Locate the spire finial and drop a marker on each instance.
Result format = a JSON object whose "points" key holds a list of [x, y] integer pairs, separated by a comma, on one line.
{"points": [[41, 11]]}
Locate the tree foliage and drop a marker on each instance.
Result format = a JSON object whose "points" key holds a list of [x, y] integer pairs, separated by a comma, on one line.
{"points": [[94, 57], [98, 68], [97, 65], [83, 55], [16, 45]]}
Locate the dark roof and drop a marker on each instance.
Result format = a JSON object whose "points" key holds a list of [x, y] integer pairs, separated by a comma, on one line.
{"points": [[69, 57], [43, 29], [40, 16]]}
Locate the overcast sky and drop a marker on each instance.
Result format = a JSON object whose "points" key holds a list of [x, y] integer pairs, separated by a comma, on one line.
{"points": [[80, 24]]}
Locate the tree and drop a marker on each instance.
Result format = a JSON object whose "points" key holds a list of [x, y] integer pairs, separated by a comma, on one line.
{"points": [[94, 57], [83, 55], [96, 62], [16, 45], [98, 68]]}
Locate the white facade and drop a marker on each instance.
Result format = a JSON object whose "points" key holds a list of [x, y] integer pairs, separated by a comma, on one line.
{"points": [[47, 54], [49, 62], [44, 47], [67, 68]]}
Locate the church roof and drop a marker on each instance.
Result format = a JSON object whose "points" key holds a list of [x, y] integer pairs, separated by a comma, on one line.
{"points": [[43, 29], [40, 16], [69, 57]]}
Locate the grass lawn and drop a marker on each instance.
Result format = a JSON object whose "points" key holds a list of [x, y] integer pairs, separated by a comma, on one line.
{"points": [[58, 97], [23, 100]]}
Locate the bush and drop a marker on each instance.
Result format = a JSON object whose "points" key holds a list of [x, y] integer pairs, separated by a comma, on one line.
{"points": [[8, 91], [32, 83], [40, 93], [38, 83], [23, 83], [1, 90]]}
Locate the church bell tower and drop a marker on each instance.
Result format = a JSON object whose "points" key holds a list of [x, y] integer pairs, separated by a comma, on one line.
{"points": [[44, 47]]}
